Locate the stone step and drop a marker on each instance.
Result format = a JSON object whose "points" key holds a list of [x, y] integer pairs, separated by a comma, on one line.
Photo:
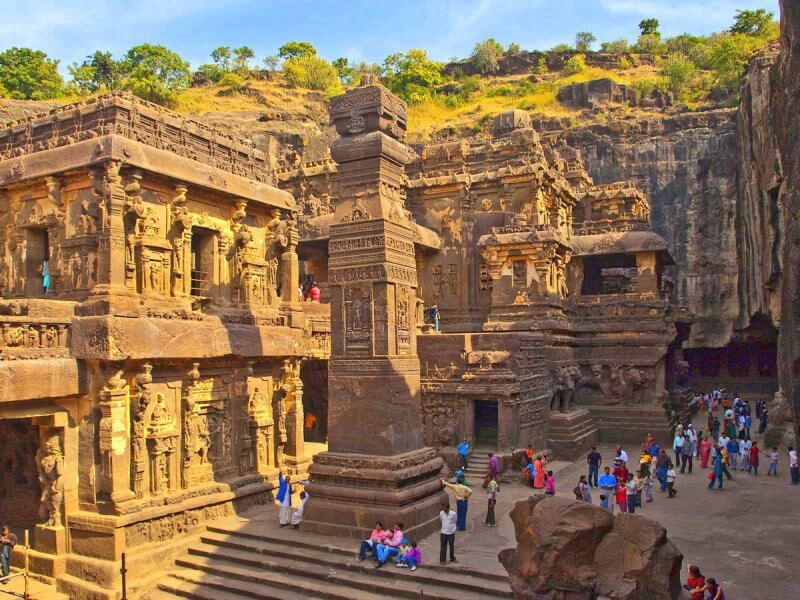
{"points": [[345, 560], [326, 582]]}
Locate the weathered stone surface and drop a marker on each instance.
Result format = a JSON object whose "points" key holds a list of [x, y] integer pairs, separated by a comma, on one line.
{"points": [[599, 92], [570, 550]]}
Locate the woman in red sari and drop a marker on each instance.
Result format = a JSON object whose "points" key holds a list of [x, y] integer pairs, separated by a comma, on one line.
{"points": [[705, 452], [539, 465]]}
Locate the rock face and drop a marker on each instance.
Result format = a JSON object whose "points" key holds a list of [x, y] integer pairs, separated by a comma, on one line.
{"points": [[589, 94], [570, 550]]}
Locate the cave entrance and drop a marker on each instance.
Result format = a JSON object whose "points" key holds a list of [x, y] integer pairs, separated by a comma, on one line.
{"points": [[203, 249], [486, 423], [19, 482], [608, 274], [314, 374]]}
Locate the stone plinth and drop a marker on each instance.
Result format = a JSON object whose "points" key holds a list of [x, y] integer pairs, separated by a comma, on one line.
{"points": [[572, 433], [631, 424]]}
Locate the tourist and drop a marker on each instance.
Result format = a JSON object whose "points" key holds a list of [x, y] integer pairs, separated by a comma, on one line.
{"points": [[622, 455], [687, 453], [662, 467], [714, 589], [705, 452], [691, 433], [463, 451], [528, 455], [7, 542], [754, 452], [762, 420], [773, 463], [608, 483], [695, 583], [622, 497], [402, 552], [594, 459], [671, 491], [390, 545], [530, 474], [412, 558], [462, 494], [314, 293], [744, 455], [539, 472], [794, 468], [447, 536], [718, 468], [284, 498], [297, 516], [605, 504], [748, 423], [715, 426], [733, 448], [494, 468], [550, 484], [585, 490], [646, 481], [621, 472], [491, 497], [677, 447], [460, 478], [654, 449], [725, 462], [375, 538], [630, 492]]}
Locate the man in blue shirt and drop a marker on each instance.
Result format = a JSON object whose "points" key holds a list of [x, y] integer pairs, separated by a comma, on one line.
{"points": [[608, 483], [463, 450]]}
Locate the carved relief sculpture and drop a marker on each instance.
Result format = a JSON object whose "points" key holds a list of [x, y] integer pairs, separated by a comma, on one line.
{"points": [[50, 462]]}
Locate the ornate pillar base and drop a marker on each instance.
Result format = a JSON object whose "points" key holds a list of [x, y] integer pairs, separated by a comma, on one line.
{"points": [[350, 492]]}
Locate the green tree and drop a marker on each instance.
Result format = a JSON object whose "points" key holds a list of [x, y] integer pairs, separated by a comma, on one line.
{"points": [[727, 58], [679, 73], [272, 62], [155, 73], [649, 27], [541, 66], [513, 49], [98, 73], [575, 65], [753, 22], [584, 41], [343, 68], [222, 57], [412, 75], [561, 48], [615, 46], [241, 59], [27, 74], [312, 72], [649, 43], [295, 49], [486, 56]]}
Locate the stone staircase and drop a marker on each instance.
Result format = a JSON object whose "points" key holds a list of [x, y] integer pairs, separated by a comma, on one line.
{"points": [[571, 434], [228, 563], [477, 467]]}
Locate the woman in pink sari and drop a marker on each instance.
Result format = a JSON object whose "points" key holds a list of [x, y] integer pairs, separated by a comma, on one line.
{"points": [[539, 465], [705, 452]]}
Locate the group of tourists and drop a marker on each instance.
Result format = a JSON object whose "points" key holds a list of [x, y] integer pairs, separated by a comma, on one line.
{"points": [[535, 472], [697, 585], [621, 487], [289, 517], [391, 544]]}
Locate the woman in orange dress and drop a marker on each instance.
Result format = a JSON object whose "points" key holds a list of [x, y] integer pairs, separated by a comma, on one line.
{"points": [[539, 464]]}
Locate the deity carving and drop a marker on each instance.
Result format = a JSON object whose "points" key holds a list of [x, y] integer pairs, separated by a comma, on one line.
{"points": [[197, 437], [50, 463]]}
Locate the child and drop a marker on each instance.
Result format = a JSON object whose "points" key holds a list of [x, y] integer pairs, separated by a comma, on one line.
{"points": [[647, 485], [604, 503], [773, 463], [402, 552], [671, 491], [622, 498], [414, 557], [550, 484]]}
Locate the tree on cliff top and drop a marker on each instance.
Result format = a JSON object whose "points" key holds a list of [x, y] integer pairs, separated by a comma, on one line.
{"points": [[754, 22], [412, 75], [486, 56], [584, 41], [27, 74], [295, 49], [98, 73], [312, 72], [155, 73], [649, 27]]}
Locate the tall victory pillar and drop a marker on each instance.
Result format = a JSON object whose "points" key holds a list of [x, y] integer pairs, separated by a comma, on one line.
{"points": [[376, 467]]}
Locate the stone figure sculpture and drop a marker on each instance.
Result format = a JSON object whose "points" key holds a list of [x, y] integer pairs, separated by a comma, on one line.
{"points": [[50, 463]]}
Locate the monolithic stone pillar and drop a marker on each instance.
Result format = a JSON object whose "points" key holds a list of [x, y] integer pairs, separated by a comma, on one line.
{"points": [[292, 386], [109, 188], [376, 467], [114, 440]]}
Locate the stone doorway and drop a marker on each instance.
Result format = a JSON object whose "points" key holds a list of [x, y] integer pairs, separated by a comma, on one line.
{"points": [[486, 423], [314, 374], [19, 482]]}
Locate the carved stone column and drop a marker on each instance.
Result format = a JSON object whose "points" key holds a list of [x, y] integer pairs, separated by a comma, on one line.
{"points": [[290, 268], [295, 453], [109, 188], [376, 467], [114, 481]]}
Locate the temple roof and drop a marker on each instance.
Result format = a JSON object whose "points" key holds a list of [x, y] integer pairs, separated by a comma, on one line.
{"points": [[621, 242]]}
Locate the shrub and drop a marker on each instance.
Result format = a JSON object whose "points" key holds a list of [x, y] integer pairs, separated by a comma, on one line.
{"points": [[728, 55], [584, 41], [541, 66], [513, 49], [561, 48], [575, 65], [649, 44], [312, 72], [679, 72], [211, 72], [644, 87], [624, 63], [486, 56], [231, 83], [620, 45]]}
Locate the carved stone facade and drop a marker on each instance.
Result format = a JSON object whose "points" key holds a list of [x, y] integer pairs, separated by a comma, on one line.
{"points": [[150, 306]]}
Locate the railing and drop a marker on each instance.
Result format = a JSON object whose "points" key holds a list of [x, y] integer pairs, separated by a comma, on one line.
{"points": [[199, 280]]}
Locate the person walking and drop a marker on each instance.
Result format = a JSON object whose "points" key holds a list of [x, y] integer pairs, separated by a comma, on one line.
{"points": [[585, 490], [462, 494], [630, 493], [744, 455], [762, 420], [608, 483], [773, 463], [687, 453], [794, 467], [550, 484], [491, 496], [718, 468], [705, 452], [7, 542], [447, 535], [463, 451], [494, 469], [671, 475], [733, 448], [677, 446], [594, 459], [754, 452]]}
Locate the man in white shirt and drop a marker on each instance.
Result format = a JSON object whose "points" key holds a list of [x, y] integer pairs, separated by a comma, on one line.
{"points": [[794, 467], [448, 534], [622, 455]]}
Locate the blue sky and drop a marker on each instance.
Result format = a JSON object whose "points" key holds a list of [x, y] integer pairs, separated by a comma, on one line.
{"points": [[358, 29]]}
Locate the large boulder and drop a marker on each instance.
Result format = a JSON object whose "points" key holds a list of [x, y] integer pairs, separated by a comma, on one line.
{"points": [[569, 550]]}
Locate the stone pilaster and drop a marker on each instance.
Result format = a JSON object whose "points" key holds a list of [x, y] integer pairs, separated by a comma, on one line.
{"points": [[376, 467], [114, 440]]}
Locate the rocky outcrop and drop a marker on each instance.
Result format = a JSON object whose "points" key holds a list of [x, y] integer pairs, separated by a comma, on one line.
{"points": [[527, 62], [570, 550], [598, 92], [785, 100]]}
